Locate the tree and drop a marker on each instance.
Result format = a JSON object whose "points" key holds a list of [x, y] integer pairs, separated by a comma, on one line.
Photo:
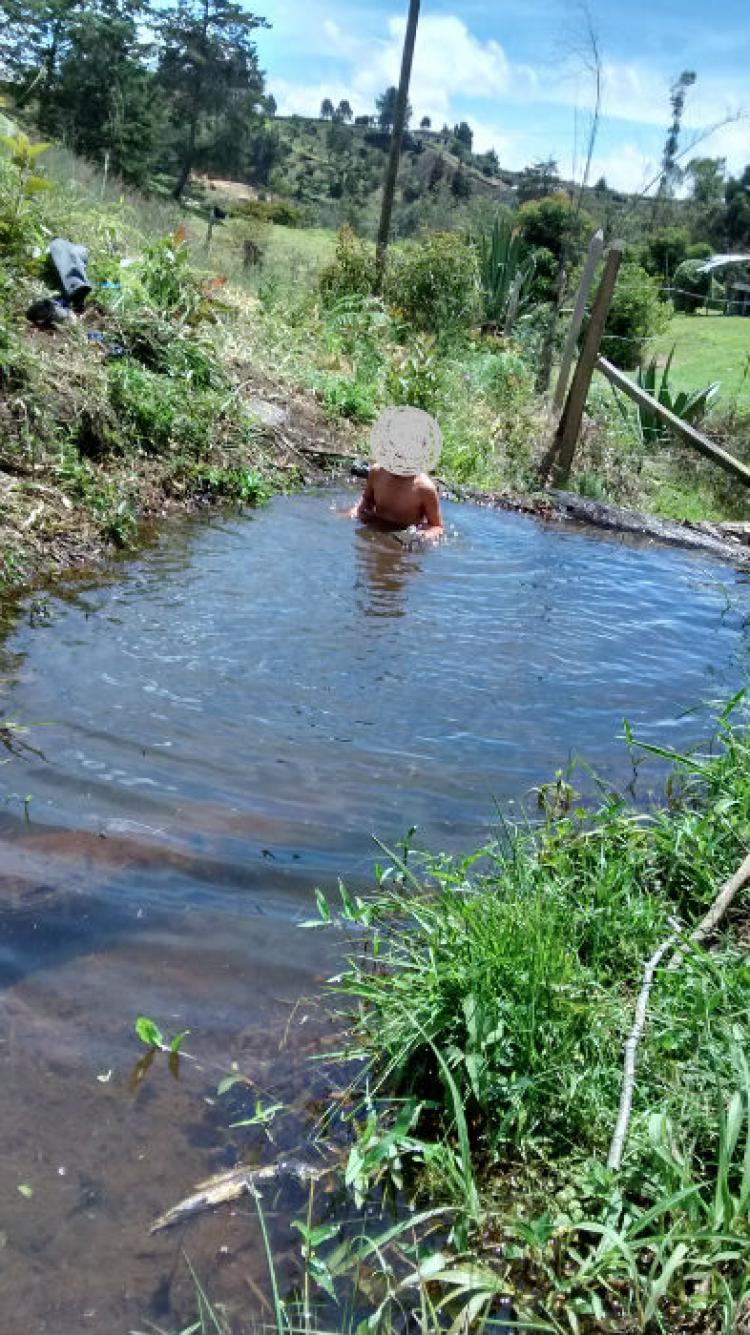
{"points": [[103, 99], [208, 61], [538, 180], [86, 65], [425, 123], [707, 176], [385, 105], [460, 184], [671, 172], [326, 109], [271, 105], [33, 37], [464, 134], [737, 215], [666, 250], [553, 224], [437, 172], [344, 111], [601, 187]]}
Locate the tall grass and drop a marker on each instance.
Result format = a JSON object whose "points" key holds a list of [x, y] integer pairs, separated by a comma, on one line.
{"points": [[488, 1000]]}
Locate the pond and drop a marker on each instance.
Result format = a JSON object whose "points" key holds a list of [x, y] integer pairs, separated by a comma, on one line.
{"points": [[224, 726]]}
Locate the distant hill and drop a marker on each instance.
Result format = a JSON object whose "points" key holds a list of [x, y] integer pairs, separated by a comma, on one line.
{"points": [[332, 170]]}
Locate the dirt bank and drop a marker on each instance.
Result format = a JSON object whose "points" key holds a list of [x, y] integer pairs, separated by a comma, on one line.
{"points": [[47, 532]]}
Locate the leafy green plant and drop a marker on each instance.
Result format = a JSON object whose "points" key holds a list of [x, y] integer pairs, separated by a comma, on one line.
{"points": [[689, 405], [691, 287], [414, 376], [433, 284], [352, 270], [149, 1033], [506, 271], [636, 315], [20, 184], [352, 398]]}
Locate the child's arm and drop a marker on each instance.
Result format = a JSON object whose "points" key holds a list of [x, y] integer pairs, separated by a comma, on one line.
{"points": [[366, 503], [431, 516]]}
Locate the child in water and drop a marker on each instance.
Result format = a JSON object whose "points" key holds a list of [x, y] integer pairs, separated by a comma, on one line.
{"points": [[398, 494]]}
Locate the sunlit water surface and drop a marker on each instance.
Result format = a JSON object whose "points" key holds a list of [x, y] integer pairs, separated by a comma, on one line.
{"points": [[225, 725]]}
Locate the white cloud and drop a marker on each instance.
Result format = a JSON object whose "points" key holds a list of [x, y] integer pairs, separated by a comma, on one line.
{"points": [[448, 60], [455, 72]]}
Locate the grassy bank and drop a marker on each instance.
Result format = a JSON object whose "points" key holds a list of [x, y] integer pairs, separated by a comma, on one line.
{"points": [[143, 404], [488, 1001]]}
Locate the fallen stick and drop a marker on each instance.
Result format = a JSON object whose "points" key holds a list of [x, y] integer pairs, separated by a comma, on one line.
{"points": [[230, 1186], [728, 892], [631, 1049]]}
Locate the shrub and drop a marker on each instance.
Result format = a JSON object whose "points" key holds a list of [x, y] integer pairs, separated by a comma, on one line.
{"points": [[278, 211], [414, 376], [552, 223], [690, 287], [636, 315], [434, 283], [665, 250], [351, 272], [701, 250]]}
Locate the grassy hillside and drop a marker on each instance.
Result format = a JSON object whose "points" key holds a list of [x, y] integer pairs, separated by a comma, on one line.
{"points": [[333, 172]]}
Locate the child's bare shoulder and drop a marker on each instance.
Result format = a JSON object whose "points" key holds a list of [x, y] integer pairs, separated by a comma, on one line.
{"points": [[426, 485]]}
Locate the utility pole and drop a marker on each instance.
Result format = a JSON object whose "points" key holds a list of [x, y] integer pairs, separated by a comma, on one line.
{"points": [[391, 171]]}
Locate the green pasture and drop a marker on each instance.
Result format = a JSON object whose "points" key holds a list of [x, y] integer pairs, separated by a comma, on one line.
{"points": [[708, 348]]}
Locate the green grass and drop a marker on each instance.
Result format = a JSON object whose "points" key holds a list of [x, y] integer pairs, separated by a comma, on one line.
{"points": [[707, 348], [489, 1000]]}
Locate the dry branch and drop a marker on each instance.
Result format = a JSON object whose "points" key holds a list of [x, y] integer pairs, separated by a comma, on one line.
{"points": [[728, 892], [230, 1186], [631, 1049]]}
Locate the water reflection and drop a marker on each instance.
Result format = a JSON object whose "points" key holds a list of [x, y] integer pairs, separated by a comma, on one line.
{"points": [[383, 570]]}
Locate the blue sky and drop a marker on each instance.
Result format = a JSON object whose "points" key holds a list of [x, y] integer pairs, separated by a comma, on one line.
{"points": [[518, 72]]}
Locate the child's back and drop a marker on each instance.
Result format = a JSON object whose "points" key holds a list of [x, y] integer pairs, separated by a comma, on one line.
{"points": [[398, 493], [400, 502]]}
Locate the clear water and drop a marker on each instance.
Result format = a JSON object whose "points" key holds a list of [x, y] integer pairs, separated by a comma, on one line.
{"points": [[225, 726]]}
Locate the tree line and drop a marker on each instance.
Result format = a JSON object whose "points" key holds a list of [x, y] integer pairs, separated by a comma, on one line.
{"points": [[140, 87]]}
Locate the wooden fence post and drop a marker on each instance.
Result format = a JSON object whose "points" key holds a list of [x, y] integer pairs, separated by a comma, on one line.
{"points": [[560, 456], [596, 246]]}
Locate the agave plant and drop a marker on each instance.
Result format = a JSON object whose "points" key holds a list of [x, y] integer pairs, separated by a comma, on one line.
{"points": [[690, 405], [505, 273]]}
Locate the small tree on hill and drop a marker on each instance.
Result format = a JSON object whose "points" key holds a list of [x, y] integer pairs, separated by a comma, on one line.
{"points": [[326, 109], [425, 123], [437, 173], [344, 111], [385, 105], [538, 180], [460, 184], [464, 134]]}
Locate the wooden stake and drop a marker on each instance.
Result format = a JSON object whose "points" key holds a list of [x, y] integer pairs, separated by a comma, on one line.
{"points": [[399, 119], [596, 246], [568, 431]]}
